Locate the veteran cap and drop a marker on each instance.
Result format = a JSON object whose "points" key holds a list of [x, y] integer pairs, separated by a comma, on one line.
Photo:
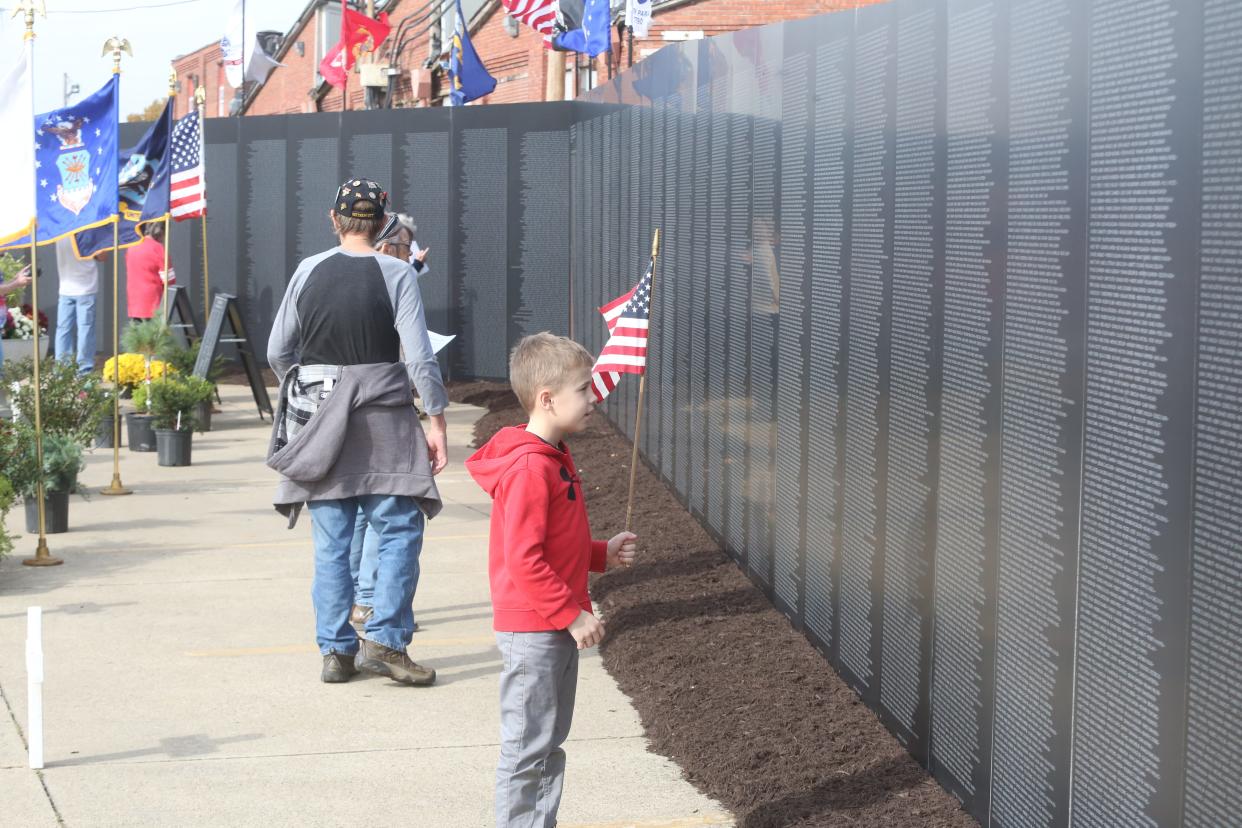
{"points": [[360, 198]]}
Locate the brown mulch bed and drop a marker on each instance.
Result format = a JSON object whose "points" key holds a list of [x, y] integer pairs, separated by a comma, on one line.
{"points": [[725, 687]]}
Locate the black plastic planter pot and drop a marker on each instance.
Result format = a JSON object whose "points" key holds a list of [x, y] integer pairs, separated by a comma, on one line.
{"points": [[103, 437], [174, 446], [204, 415], [55, 513], [140, 431]]}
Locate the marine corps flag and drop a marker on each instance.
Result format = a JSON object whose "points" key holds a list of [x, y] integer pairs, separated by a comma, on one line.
{"points": [[359, 33]]}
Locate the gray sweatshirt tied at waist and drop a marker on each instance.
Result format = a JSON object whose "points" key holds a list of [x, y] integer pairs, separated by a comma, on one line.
{"points": [[365, 439]]}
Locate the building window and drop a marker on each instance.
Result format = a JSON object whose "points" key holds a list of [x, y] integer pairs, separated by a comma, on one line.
{"points": [[327, 33]]}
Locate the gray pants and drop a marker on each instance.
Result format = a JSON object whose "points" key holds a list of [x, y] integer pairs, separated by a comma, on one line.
{"points": [[537, 689]]}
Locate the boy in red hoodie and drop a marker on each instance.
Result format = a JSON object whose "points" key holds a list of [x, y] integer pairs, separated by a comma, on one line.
{"points": [[539, 555]]}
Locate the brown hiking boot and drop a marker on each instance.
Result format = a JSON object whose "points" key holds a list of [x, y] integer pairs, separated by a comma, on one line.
{"points": [[337, 668], [383, 661], [358, 618]]}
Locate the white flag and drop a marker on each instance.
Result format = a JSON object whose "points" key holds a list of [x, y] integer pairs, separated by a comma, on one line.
{"points": [[257, 63], [17, 140], [638, 16]]}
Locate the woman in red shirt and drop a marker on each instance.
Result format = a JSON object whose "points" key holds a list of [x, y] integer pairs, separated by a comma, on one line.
{"points": [[144, 266]]}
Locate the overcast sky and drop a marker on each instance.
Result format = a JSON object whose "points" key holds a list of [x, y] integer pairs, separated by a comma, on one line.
{"points": [[72, 37]]}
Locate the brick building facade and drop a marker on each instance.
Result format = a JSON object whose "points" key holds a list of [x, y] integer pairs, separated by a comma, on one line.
{"points": [[514, 54]]}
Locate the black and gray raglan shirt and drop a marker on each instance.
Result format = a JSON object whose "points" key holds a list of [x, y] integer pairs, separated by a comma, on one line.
{"points": [[346, 308]]}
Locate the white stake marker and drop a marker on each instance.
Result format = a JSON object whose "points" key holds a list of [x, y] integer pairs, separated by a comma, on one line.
{"points": [[34, 685]]}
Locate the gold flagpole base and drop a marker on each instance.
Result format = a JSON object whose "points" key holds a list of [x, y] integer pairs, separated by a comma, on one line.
{"points": [[42, 556], [115, 487]]}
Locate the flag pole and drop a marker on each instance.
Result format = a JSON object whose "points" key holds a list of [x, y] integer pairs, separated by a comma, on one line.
{"points": [[42, 556], [172, 93], [116, 487], [642, 387], [200, 97]]}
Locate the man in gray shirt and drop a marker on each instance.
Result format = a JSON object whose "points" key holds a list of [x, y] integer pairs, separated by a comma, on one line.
{"points": [[346, 313]]}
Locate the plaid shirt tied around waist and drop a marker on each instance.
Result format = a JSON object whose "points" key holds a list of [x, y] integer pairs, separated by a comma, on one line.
{"points": [[311, 385]]}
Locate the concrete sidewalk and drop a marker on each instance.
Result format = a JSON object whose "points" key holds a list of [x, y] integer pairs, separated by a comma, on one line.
{"points": [[182, 678]]}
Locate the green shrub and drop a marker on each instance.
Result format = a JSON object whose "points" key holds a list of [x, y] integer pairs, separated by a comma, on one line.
{"points": [[174, 401], [70, 405], [62, 460], [149, 337]]}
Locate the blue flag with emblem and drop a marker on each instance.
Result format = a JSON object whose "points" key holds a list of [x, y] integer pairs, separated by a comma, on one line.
{"points": [[594, 37], [76, 164], [468, 77], [142, 188]]}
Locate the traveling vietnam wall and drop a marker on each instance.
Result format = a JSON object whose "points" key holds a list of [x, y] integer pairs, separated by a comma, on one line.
{"points": [[487, 186], [947, 352]]}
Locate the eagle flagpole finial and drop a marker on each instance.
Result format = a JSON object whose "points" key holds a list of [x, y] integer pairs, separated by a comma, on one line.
{"points": [[30, 8], [116, 45]]}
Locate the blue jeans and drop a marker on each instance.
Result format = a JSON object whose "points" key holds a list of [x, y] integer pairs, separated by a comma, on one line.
{"points": [[76, 313], [398, 523], [363, 561]]}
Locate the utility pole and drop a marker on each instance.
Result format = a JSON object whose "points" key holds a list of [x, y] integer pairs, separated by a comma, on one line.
{"points": [[555, 90]]}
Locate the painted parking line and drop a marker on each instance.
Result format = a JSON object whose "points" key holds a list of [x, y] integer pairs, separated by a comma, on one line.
{"points": [[290, 649]]}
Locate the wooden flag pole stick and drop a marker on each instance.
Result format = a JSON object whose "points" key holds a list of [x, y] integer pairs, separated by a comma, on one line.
{"points": [[200, 97], [116, 45], [642, 389], [172, 93], [116, 487], [164, 274]]}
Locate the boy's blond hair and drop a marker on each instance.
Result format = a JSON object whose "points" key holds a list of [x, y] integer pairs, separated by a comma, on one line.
{"points": [[543, 360]]}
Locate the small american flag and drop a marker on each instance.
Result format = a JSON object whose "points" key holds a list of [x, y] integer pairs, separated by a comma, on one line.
{"points": [[187, 184], [625, 352], [540, 15]]}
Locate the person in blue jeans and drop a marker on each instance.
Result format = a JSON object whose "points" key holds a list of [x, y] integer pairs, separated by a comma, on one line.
{"points": [[397, 240], [75, 309], [350, 345]]}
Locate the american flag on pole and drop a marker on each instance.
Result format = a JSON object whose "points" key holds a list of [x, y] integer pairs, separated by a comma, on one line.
{"points": [[625, 352], [187, 197], [540, 15]]}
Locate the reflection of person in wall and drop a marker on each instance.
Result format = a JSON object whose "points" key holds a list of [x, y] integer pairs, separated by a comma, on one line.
{"points": [[347, 436], [764, 260], [145, 275], [396, 240]]}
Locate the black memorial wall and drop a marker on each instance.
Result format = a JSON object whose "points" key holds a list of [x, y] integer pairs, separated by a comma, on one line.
{"points": [[947, 352], [489, 189], [946, 349]]}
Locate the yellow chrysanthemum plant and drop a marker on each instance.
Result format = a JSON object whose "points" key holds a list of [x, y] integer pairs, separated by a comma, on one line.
{"points": [[134, 369]]}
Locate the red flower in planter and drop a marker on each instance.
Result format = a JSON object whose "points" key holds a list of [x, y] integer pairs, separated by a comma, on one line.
{"points": [[27, 310]]}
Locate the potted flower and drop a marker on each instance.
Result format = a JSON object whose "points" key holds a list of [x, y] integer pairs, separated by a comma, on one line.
{"points": [[174, 405], [62, 461], [19, 333]]}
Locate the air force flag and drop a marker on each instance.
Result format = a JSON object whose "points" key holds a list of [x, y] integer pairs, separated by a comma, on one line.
{"points": [[76, 165]]}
